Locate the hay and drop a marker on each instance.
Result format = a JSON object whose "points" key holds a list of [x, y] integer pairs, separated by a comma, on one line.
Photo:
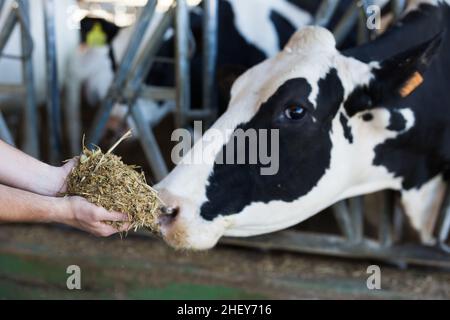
{"points": [[104, 180]]}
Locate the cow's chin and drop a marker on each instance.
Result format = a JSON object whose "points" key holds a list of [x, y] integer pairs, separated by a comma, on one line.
{"points": [[193, 233]]}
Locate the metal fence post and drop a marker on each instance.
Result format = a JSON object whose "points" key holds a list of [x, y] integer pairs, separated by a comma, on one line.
{"points": [[325, 12], [182, 65], [102, 115], [210, 47], [31, 140], [5, 134], [53, 102]]}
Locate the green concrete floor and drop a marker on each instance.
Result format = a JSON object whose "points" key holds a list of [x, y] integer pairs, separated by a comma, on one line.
{"points": [[33, 262]]}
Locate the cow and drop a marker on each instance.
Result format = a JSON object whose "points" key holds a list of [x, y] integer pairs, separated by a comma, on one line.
{"points": [[349, 123]]}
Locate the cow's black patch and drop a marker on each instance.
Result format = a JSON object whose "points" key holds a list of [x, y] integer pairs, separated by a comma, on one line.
{"points": [[397, 122], [359, 100], [347, 130], [304, 150], [284, 28]]}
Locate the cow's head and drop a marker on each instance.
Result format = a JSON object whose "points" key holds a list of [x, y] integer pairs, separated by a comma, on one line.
{"points": [[330, 112]]}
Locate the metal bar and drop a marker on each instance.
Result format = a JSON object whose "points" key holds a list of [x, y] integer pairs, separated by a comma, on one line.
{"points": [[24, 18], [357, 218], [53, 102], [307, 242], [153, 113], [198, 114], [116, 87], [146, 58], [157, 93], [149, 144], [8, 26], [399, 222], [12, 89], [5, 134], [325, 12], [31, 141], [397, 7], [444, 231], [345, 25], [133, 89], [2, 3], [161, 113], [342, 216], [182, 66], [72, 113], [210, 47], [385, 225]]}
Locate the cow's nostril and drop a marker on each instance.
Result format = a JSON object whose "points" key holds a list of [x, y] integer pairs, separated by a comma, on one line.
{"points": [[169, 210], [168, 215]]}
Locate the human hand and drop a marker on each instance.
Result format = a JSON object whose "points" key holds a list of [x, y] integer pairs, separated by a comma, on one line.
{"points": [[63, 173], [54, 179], [81, 214]]}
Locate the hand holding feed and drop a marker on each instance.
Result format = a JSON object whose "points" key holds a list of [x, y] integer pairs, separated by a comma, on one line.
{"points": [[83, 215]]}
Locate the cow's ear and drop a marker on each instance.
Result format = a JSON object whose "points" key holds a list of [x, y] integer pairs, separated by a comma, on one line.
{"points": [[402, 74]]}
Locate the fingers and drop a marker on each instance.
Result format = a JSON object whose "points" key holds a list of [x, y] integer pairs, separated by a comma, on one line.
{"points": [[104, 230], [91, 218], [102, 214], [70, 164]]}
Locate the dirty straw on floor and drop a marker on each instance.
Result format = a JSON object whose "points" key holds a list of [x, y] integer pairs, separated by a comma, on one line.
{"points": [[104, 180]]}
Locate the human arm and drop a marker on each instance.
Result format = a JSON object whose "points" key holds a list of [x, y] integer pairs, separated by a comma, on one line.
{"points": [[19, 170], [23, 206]]}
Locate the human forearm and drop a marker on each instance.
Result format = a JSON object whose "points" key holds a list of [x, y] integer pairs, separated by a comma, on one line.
{"points": [[23, 206], [21, 171]]}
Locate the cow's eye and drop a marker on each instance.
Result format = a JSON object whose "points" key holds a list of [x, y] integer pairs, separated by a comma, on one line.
{"points": [[295, 112]]}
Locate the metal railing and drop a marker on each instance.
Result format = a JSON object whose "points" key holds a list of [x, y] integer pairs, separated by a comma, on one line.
{"points": [[19, 15]]}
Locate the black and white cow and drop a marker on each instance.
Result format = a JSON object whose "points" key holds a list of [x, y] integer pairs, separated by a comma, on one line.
{"points": [[350, 123]]}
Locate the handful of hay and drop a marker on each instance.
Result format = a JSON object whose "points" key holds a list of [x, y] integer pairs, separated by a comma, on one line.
{"points": [[104, 180]]}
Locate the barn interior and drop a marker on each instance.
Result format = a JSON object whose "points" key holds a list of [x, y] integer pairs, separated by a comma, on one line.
{"points": [[93, 69]]}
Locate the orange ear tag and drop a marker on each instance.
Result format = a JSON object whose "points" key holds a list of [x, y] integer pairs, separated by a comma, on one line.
{"points": [[411, 85]]}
